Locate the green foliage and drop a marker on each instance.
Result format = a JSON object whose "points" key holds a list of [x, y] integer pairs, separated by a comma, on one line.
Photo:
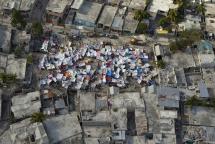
{"points": [[37, 117], [161, 64], [17, 19], [191, 36], [29, 59], [201, 9], [7, 78], [177, 1], [186, 38], [18, 52], [164, 22], [142, 28], [172, 15], [37, 29], [115, 109], [140, 15], [195, 101], [148, 2]]}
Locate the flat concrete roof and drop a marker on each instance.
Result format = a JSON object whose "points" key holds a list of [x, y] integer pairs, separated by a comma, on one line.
{"points": [[77, 4], [117, 23], [128, 100], [62, 127], [58, 6], [136, 140], [26, 5], [26, 104], [168, 114], [21, 131], [200, 115], [141, 122], [91, 140], [210, 8], [119, 118], [87, 101], [138, 4], [89, 11], [97, 131], [23, 5], [16, 66], [129, 23], [161, 5], [107, 15]]}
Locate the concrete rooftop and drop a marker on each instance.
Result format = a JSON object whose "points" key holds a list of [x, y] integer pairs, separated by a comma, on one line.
{"points": [[62, 127], [58, 6]]}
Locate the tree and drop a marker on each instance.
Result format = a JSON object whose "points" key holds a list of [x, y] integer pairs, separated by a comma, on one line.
{"points": [[18, 52], [185, 39], [148, 2], [142, 28], [164, 22], [37, 29], [37, 117], [201, 9], [179, 2], [174, 47], [191, 36], [17, 19], [29, 59], [140, 15], [172, 15], [161, 64], [7, 78]]}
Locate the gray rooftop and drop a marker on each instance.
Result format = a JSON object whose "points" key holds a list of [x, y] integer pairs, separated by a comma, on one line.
{"points": [[62, 127], [119, 118], [58, 6], [91, 140], [130, 24], [168, 93], [26, 104], [158, 5], [77, 4], [97, 131], [136, 140], [210, 9], [107, 15], [168, 97], [23, 5], [89, 11], [141, 122], [117, 23], [87, 101], [138, 4], [128, 100], [26, 5], [21, 132], [201, 116], [16, 66]]}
